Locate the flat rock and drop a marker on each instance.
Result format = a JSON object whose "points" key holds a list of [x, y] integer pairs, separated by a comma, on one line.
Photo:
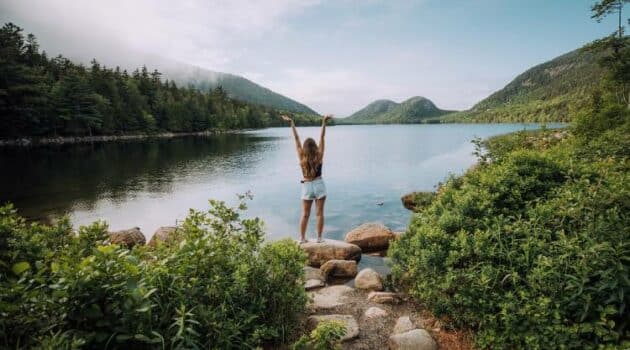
{"points": [[164, 234], [416, 339], [339, 268], [313, 284], [330, 249], [384, 297], [403, 324], [329, 297], [374, 312], [370, 237], [312, 273], [368, 279], [352, 327], [128, 238]]}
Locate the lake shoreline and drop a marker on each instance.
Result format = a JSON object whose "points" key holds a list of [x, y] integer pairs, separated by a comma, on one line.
{"points": [[63, 140]]}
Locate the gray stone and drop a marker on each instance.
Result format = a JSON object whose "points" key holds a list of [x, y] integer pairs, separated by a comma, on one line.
{"points": [[352, 327], [368, 279], [329, 297], [403, 324], [374, 312], [417, 339], [312, 273], [384, 298], [313, 284]]}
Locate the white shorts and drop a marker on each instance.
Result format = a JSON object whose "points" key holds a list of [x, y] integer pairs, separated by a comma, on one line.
{"points": [[315, 189]]}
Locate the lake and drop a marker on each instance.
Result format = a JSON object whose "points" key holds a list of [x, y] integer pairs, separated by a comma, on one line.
{"points": [[152, 183]]}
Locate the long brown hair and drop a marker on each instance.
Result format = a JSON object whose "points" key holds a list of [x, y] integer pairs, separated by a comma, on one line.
{"points": [[310, 158]]}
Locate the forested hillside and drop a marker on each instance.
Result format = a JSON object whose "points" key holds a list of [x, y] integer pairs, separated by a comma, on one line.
{"points": [[552, 91], [42, 96], [414, 110], [235, 86]]}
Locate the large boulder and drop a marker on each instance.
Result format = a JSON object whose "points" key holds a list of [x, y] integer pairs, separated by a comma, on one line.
{"points": [[128, 238], [164, 234], [352, 327], [370, 237], [416, 339], [330, 249], [368, 279], [339, 268]]}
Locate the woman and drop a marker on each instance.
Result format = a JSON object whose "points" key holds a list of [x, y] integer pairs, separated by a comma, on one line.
{"points": [[311, 157]]}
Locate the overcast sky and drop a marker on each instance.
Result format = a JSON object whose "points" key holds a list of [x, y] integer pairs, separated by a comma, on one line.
{"points": [[335, 56]]}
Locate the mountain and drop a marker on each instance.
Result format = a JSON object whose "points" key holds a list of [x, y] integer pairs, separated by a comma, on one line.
{"points": [[235, 86], [414, 110], [547, 92]]}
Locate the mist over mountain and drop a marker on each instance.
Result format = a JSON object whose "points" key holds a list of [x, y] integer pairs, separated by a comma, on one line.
{"points": [[416, 109]]}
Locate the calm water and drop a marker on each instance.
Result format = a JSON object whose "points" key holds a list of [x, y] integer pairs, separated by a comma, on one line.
{"points": [[153, 183]]}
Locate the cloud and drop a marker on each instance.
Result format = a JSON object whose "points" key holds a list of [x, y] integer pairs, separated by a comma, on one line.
{"points": [[201, 32], [341, 91]]}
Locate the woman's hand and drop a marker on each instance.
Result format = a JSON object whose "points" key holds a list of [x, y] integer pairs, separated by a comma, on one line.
{"points": [[286, 118], [326, 118]]}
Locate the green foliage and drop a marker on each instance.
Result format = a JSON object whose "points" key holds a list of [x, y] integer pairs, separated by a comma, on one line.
{"points": [[531, 248], [326, 336], [50, 97], [218, 287]]}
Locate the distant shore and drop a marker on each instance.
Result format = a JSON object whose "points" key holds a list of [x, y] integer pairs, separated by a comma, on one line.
{"points": [[62, 140]]}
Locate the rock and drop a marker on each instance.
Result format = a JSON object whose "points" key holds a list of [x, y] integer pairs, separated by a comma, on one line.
{"points": [[374, 312], [313, 284], [128, 238], [417, 200], [352, 327], [368, 279], [417, 339], [165, 234], [384, 298], [312, 273], [403, 324], [370, 237], [339, 268], [329, 297], [330, 249]]}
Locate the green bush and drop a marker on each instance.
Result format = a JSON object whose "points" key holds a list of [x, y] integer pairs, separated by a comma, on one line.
{"points": [[531, 250], [326, 336], [219, 287]]}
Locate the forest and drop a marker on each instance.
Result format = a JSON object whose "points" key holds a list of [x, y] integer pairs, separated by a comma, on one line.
{"points": [[44, 97]]}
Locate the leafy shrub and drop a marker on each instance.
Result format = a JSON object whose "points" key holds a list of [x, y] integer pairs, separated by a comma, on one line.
{"points": [[531, 250], [220, 287], [326, 336]]}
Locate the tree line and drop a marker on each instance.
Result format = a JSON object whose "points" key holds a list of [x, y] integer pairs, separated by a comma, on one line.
{"points": [[42, 96]]}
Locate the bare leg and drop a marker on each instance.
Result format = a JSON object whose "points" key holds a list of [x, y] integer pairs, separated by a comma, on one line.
{"points": [[319, 206], [306, 213]]}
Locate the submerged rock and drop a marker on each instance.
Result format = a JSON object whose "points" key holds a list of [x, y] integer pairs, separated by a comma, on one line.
{"points": [[352, 327], [339, 268], [417, 339], [128, 238], [330, 249], [370, 237], [369, 279]]}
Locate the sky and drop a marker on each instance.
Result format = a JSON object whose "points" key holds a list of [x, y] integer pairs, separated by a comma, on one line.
{"points": [[335, 56]]}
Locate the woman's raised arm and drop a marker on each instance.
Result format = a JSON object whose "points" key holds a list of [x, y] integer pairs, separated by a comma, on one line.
{"points": [[298, 145], [322, 136]]}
